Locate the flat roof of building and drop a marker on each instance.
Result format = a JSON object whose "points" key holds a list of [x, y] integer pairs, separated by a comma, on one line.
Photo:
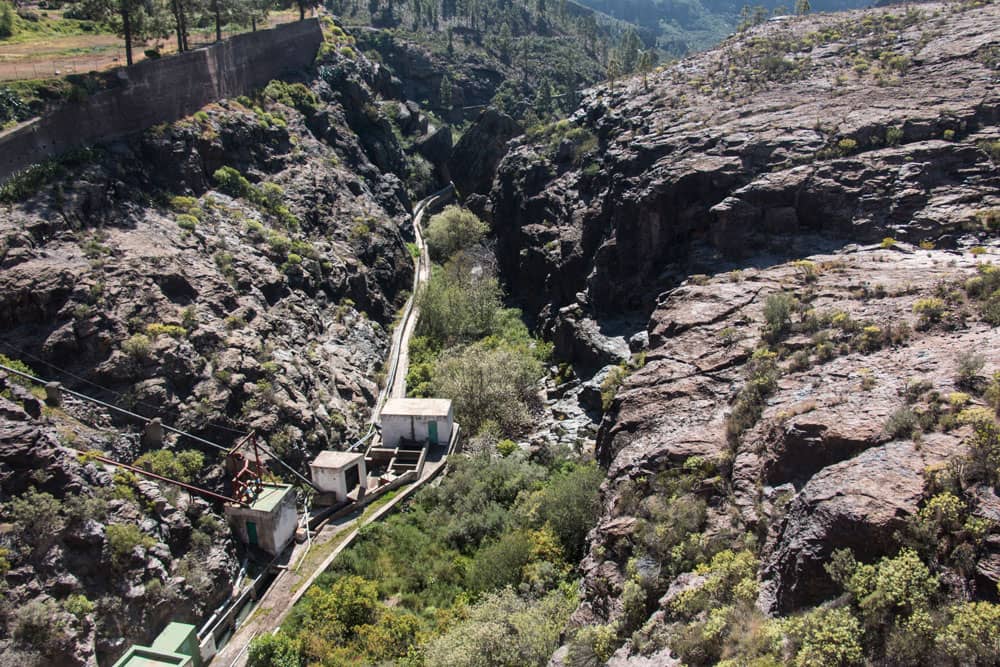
{"points": [[172, 637], [331, 459], [417, 407], [270, 496], [143, 656]]}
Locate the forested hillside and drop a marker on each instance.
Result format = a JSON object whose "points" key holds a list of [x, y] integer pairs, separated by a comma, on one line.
{"points": [[684, 26]]}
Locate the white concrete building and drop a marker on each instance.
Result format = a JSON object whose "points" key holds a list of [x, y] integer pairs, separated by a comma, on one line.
{"points": [[338, 473], [416, 419], [269, 522]]}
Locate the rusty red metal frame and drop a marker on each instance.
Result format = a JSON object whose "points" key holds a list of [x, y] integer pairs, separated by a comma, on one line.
{"points": [[247, 473], [153, 475]]}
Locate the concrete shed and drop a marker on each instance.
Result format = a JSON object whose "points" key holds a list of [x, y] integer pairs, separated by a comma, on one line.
{"points": [[416, 419], [338, 473], [270, 521]]}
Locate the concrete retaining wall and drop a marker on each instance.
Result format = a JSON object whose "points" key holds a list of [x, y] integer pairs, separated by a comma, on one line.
{"points": [[162, 91]]}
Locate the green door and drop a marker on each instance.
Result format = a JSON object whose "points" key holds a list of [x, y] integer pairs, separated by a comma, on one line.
{"points": [[252, 532], [432, 432]]}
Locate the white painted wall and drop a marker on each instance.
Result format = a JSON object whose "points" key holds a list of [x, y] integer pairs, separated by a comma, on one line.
{"points": [[395, 427], [286, 523], [334, 480]]}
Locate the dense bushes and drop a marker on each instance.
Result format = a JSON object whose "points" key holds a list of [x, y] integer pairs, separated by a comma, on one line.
{"points": [[182, 466], [488, 382], [469, 348], [452, 230], [495, 536]]}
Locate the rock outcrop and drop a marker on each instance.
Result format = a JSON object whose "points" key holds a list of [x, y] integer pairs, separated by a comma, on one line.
{"points": [[792, 128], [822, 468], [238, 270]]}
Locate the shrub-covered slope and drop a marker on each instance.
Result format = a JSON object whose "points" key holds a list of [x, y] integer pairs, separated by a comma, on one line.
{"points": [[237, 270]]}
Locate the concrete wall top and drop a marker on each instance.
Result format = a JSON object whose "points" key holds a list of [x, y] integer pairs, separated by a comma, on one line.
{"points": [[162, 91]]}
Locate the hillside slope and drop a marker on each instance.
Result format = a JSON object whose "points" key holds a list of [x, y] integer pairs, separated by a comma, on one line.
{"points": [[813, 420], [238, 270]]}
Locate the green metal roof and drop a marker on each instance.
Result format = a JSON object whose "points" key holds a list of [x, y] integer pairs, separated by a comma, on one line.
{"points": [[173, 637], [141, 656], [269, 497]]}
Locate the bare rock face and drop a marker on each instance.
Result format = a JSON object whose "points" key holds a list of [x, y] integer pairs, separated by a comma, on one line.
{"points": [[60, 548], [820, 469], [784, 131], [272, 314], [257, 298], [476, 155]]}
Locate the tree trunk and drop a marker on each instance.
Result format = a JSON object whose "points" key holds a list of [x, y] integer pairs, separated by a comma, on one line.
{"points": [[253, 24], [176, 8], [127, 29], [302, 11], [218, 20], [184, 25]]}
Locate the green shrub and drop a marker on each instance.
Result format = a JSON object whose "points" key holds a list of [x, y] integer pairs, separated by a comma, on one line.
{"points": [[500, 564], [7, 21], [609, 386], [37, 514], [233, 183], [824, 637], [187, 222], [78, 605], [968, 365], [488, 383], [930, 310], [778, 309], [182, 466], [18, 365], [901, 424], [274, 650], [155, 329], [847, 146], [970, 638], [456, 307], [761, 374], [40, 625], [122, 539], [295, 95], [893, 135], [137, 347], [528, 634], [506, 447], [593, 645], [452, 230]]}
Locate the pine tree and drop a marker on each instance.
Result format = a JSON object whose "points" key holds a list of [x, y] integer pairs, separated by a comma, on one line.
{"points": [[445, 94], [504, 43], [647, 60], [133, 20], [802, 7], [543, 99], [628, 51], [614, 71]]}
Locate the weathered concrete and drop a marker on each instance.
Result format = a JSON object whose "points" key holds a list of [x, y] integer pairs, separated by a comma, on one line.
{"points": [[162, 91]]}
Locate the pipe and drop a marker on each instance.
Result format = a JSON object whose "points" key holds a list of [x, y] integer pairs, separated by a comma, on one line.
{"points": [[153, 475]]}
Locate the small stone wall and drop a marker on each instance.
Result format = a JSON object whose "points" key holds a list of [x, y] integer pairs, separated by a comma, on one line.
{"points": [[162, 91]]}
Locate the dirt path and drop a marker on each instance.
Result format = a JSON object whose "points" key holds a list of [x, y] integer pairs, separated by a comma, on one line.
{"points": [[58, 55]]}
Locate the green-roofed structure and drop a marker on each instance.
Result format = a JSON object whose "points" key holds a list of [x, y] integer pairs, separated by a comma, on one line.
{"points": [[176, 646], [269, 522]]}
